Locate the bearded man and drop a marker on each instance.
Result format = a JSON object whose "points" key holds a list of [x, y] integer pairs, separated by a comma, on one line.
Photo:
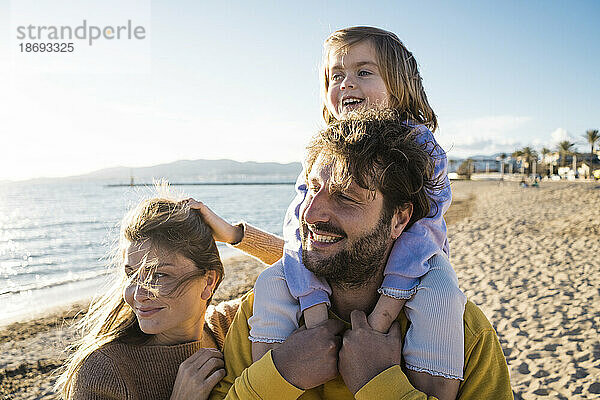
{"points": [[367, 181]]}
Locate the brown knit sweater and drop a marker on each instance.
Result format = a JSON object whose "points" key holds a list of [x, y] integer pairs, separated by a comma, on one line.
{"points": [[124, 371]]}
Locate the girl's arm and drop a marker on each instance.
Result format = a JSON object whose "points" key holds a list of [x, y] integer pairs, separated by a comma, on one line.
{"points": [[426, 237], [263, 245]]}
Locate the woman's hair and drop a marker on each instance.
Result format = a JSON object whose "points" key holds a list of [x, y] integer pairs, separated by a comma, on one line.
{"points": [[167, 224], [398, 69]]}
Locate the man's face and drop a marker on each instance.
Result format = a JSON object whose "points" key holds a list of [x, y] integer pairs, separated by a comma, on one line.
{"points": [[345, 235]]}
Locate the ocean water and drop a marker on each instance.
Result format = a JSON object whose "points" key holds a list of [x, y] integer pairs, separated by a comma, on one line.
{"points": [[55, 238]]}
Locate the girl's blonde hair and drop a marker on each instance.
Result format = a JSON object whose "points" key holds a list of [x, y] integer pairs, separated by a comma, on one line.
{"points": [[398, 67], [168, 224]]}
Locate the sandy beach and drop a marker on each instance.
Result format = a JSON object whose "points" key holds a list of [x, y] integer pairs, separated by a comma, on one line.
{"points": [[529, 257]]}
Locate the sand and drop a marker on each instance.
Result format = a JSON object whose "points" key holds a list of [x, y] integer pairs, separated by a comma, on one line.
{"points": [[529, 257]]}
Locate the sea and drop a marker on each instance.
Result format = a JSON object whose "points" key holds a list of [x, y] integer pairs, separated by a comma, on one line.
{"points": [[56, 238]]}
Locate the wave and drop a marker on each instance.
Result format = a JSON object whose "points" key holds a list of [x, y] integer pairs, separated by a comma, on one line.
{"points": [[69, 278], [105, 225]]}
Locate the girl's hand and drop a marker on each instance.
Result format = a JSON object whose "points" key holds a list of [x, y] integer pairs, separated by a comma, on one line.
{"points": [[223, 231], [198, 375]]}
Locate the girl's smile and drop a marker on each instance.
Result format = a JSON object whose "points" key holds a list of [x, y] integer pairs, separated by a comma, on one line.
{"points": [[355, 80]]}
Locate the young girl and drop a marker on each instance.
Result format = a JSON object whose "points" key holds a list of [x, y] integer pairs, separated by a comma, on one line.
{"points": [[368, 67]]}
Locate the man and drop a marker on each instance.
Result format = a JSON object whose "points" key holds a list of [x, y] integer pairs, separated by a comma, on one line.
{"points": [[367, 180]]}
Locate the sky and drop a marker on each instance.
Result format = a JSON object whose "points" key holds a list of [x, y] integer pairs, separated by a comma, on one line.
{"points": [[239, 79]]}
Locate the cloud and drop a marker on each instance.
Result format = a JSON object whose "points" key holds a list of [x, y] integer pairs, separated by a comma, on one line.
{"points": [[483, 135], [560, 134]]}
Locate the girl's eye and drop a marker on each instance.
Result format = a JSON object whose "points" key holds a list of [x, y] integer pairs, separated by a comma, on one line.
{"points": [[364, 73], [337, 77]]}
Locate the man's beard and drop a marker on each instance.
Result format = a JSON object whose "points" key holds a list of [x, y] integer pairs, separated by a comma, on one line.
{"points": [[356, 265]]}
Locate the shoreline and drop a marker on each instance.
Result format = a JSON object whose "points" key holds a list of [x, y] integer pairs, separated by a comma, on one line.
{"points": [[25, 306]]}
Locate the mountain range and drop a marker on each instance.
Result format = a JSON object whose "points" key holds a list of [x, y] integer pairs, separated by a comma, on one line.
{"points": [[191, 171]]}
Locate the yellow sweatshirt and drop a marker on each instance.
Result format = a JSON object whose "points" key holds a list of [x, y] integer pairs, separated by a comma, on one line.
{"points": [[485, 376]]}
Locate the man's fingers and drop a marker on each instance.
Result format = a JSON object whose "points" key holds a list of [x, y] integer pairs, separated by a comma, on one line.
{"points": [[358, 319], [394, 329], [334, 326], [300, 328]]}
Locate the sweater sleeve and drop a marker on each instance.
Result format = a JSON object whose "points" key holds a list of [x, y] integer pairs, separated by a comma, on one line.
{"points": [[391, 384], [427, 236], [99, 379], [486, 376], [486, 372], [243, 379], [265, 246]]}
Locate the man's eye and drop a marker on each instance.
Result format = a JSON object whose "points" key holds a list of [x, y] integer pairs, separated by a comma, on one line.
{"points": [[346, 198], [313, 188]]}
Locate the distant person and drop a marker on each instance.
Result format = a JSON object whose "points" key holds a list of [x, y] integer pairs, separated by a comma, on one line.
{"points": [[150, 337], [366, 67], [367, 181]]}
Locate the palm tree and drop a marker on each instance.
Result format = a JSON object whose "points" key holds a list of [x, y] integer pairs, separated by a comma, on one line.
{"points": [[526, 154], [565, 148], [591, 135], [545, 152], [530, 155]]}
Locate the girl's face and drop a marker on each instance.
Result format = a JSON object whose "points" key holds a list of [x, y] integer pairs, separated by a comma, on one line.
{"points": [[355, 80], [171, 316]]}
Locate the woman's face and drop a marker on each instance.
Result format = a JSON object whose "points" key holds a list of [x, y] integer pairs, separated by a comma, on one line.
{"points": [[172, 316]]}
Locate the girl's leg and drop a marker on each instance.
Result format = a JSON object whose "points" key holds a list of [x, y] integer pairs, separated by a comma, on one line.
{"points": [[434, 344], [315, 315], [275, 314], [386, 311]]}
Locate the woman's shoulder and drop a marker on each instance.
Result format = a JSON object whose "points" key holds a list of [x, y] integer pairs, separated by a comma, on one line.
{"points": [[99, 373], [219, 318]]}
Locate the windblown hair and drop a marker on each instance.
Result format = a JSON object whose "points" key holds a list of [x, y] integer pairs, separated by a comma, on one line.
{"points": [[398, 69], [167, 224], [376, 150]]}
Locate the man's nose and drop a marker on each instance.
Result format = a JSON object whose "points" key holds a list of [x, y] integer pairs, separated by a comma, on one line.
{"points": [[317, 208]]}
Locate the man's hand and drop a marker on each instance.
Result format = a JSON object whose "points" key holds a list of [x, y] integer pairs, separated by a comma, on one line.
{"points": [[366, 353], [309, 357]]}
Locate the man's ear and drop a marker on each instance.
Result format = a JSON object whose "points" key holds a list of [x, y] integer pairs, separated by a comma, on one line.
{"points": [[209, 288], [400, 220]]}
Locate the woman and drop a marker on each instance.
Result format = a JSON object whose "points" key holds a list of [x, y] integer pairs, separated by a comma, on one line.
{"points": [[151, 336]]}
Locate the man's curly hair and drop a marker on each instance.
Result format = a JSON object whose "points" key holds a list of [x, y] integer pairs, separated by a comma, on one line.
{"points": [[377, 149]]}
